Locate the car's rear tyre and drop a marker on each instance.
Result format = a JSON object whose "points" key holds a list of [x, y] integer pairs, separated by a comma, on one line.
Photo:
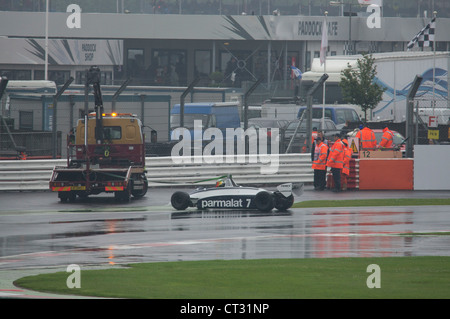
{"points": [[283, 203], [180, 200], [264, 201]]}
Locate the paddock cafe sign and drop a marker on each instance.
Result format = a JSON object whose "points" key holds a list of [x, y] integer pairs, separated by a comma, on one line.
{"points": [[313, 28]]}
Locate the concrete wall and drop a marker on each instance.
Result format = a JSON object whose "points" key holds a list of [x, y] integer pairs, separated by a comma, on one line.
{"points": [[432, 167]]}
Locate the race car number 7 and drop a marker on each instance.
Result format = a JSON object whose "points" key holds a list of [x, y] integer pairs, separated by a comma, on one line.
{"points": [[249, 201]]}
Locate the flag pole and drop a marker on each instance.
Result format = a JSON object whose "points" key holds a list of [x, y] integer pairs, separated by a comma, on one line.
{"points": [[325, 29], [434, 60], [46, 41]]}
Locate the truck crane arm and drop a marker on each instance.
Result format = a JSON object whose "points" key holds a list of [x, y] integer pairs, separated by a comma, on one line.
{"points": [[93, 77]]}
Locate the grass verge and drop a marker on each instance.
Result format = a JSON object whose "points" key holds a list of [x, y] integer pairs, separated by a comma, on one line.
{"points": [[400, 277]]}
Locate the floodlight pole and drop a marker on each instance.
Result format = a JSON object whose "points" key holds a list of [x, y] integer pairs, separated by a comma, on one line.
{"points": [[309, 99], [118, 92], [189, 89], [54, 119], [410, 113]]}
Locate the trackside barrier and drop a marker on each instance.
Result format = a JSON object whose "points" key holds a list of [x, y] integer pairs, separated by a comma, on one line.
{"points": [[382, 174], [352, 179], [34, 175]]}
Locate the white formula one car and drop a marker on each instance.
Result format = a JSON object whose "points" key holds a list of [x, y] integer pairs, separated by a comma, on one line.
{"points": [[228, 195]]}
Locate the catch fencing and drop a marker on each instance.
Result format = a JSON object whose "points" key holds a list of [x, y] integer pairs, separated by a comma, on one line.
{"points": [[34, 175]]}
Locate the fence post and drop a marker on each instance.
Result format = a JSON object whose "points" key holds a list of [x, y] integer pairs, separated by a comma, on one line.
{"points": [[409, 115], [55, 103], [183, 97]]}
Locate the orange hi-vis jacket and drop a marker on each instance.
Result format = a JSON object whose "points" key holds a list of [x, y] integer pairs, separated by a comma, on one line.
{"points": [[387, 138], [367, 138], [347, 157], [336, 157], [313, 137], [320, 155]]}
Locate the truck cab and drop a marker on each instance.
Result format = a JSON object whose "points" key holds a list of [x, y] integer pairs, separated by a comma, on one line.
{"points": [[123, 140]]}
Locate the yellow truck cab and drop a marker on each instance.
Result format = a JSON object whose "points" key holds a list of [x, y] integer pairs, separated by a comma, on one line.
{"points": [[118, 128], [123, 140]]}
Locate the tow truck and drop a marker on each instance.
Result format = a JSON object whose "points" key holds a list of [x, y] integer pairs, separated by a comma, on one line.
{"points": [[105, 153]]}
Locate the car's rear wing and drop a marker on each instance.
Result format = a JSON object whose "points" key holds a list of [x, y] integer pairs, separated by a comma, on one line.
{"points": [[288, 189]]}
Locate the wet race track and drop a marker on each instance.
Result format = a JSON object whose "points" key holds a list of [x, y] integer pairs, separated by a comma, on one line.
{"points": [[38, 232]]}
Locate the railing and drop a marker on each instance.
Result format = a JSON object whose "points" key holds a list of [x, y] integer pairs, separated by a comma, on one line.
{"points": [[34, 175], [32, 144]]}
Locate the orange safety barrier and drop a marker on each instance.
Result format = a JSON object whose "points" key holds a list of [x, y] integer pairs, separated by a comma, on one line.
{"points": [[352, 179], [386, 174]]}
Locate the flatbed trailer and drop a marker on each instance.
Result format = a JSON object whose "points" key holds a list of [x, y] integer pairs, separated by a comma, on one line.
{"points": [[70, 182]]}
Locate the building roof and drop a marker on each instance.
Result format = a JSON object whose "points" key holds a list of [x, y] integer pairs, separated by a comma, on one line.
{"points": [[211, 27]]}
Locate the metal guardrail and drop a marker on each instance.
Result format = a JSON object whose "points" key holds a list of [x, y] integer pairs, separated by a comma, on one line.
{"points": [[34, 175]]}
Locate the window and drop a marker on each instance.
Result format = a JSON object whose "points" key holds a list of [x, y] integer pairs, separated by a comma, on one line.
{"points": [[202, 62], [317, 113], [105, 77], [354, 116], [59, 77], [168, 67], [292, 59], [135, 62], [330, 125], [207, 120], [16, 74], [308, 61], [237, 66], [25, 120], [112, 132], [340, 116]]}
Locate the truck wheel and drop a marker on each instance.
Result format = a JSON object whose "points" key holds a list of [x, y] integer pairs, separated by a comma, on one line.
{"points": [[264, 201], [138, 193], [283, 203], [124, 195], [63, 196], [72, 196], [180, 200]]}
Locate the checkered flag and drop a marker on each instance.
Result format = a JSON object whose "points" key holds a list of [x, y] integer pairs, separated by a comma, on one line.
{"points": [[425, 38]]}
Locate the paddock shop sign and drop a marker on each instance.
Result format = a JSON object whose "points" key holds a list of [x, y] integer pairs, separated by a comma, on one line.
{"points": [[314, 28], [62, 51]]}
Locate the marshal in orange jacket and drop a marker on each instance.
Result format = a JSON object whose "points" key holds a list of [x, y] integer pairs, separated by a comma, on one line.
{"points": [[387, 138], [347, 157], [336, 157], [321, 155], [367, 138]]}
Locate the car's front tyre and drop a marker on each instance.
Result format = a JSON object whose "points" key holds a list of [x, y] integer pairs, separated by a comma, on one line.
{"points": [[180, 200]]}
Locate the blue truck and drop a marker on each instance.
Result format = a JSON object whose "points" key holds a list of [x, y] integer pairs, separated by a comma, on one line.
{"points": [[337, 113], [221, 115]]}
